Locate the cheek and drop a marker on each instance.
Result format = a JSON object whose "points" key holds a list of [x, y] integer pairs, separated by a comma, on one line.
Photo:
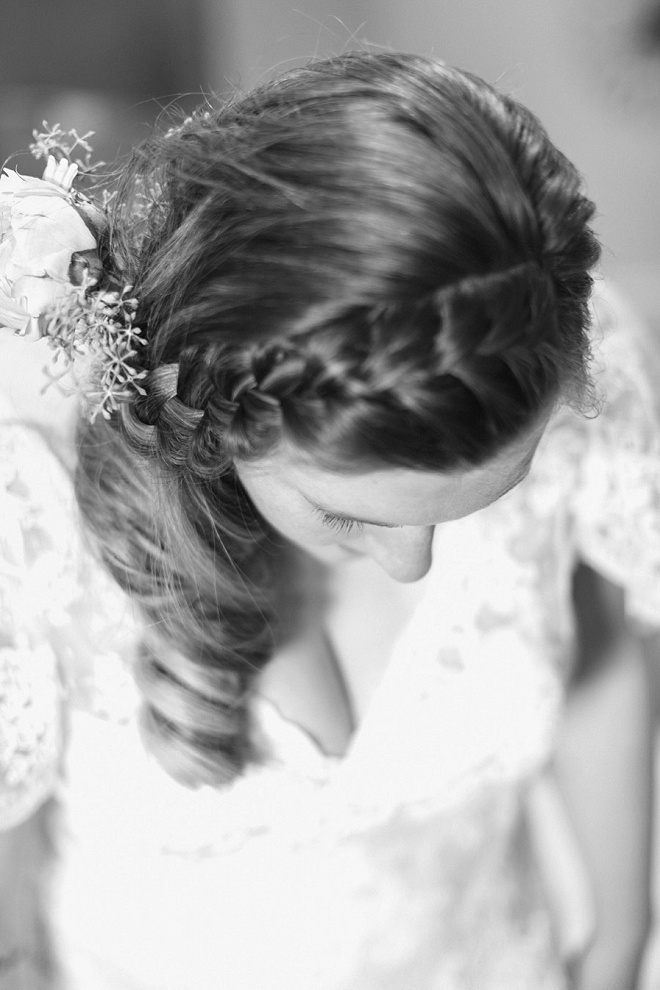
{"points": [[296, 526], [302, 527]]}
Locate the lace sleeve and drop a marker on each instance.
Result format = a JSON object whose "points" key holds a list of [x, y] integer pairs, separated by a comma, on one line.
{"points": [[29, 731], [617, 503], [37, 582]]}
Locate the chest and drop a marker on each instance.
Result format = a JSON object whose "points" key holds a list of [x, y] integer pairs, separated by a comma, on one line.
{"points": [[324, 677], [487, 630]]}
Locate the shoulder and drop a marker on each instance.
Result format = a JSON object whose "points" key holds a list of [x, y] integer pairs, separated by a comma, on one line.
{"points": [[40, 539], [35, 482], [37, 426], [26, 397], [623, 411], [36, 581], [615, 500], [30, 729], [626, 365]]}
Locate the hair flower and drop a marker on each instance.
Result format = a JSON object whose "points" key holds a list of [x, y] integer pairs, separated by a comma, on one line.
{"points": [[40, 230], [97, 332]]}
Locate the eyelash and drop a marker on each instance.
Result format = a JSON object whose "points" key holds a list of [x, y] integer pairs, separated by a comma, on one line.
{"points": [[339, 524]]}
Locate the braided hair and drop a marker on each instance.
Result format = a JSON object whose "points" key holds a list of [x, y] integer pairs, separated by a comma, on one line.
{"points": [[378, 258]]}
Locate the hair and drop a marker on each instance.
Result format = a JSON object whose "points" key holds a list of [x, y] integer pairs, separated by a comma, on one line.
{"points": [[378, 258]]}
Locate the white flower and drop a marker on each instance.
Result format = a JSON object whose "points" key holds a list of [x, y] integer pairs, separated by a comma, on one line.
{"points": [[39, 231]]}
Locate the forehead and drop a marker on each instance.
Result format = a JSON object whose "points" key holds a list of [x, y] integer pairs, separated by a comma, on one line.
{"points": [[391, 496]]}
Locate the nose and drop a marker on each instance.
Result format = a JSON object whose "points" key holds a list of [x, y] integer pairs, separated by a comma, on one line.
{"points": [[404, 553]]}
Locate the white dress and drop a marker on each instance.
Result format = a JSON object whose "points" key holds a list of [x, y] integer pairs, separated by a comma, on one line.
{"points": [[405, 865]]}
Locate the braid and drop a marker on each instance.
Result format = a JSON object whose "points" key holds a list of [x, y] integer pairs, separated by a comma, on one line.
{"points": [[191, 553], [377, 258], [484, 346]]}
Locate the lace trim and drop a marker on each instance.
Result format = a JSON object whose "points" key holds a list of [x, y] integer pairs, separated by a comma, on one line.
{"points": [[30, 730], [617, 503]]}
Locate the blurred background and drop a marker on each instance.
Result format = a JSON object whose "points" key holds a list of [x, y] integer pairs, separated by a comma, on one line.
{"points": [[589, 68]]}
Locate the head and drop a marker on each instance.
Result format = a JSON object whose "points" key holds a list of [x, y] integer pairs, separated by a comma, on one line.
{"points": [[387, 513], [371, 274]]}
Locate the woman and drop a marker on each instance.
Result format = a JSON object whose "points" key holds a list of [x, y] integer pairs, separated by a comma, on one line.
{"points": [[365, 291]]}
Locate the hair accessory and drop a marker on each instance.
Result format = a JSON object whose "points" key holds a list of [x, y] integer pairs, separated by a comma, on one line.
{"points": [[49, 265], [98, 328], [40, 230]]}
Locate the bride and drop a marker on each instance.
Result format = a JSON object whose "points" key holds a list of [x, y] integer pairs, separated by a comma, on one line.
{"points": [[292, 671]]}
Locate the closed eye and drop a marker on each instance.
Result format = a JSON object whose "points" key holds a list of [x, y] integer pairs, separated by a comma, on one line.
{"points": [[339, 524]]}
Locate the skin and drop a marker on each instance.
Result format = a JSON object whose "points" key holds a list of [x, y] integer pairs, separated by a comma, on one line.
{"points": [[387, 514], [381, 522]]}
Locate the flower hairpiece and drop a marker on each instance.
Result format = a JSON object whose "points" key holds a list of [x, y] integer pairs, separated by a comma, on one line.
{"points": [[53, 142], [50, 274], [80, 325]]}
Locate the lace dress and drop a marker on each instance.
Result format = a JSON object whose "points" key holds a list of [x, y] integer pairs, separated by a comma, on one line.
{"points": [[406, 864]]}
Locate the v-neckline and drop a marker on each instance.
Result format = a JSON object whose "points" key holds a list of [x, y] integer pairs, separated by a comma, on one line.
{"points": [[276, 702]]}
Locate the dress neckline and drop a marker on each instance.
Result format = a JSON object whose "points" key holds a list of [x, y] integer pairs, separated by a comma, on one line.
{"points": [[290, 741]]}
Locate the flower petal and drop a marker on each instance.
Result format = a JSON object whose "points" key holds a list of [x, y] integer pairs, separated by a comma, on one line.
{"points": [[13, 316], [13, 184], [37, 294], [46, 234], [40, 230], [60, 173]]}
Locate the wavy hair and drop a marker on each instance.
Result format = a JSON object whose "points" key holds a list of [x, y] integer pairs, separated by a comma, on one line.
{"points": [[377, 257]]}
